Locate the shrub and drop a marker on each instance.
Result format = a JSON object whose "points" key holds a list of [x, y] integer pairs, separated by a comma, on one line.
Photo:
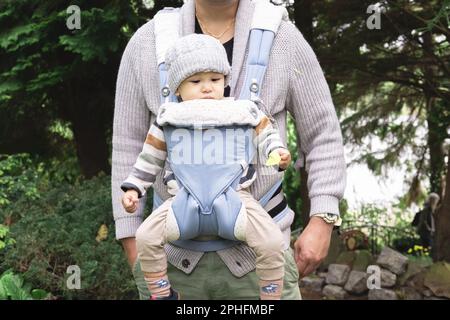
{"points": [[12, 287], [19, 178], [59, 229], [24, 178]]}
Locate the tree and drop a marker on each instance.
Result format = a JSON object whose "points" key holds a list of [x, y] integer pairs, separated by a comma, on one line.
{"points": [[387, 83], [51, 72], [390, 81]]}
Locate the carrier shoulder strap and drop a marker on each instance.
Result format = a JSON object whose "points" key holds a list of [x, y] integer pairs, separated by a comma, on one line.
{"points": [[167, 30], [266, 20]]}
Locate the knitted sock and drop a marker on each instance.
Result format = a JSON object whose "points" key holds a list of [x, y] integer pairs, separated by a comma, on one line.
{"points": [[158, 283], [270, 289]]}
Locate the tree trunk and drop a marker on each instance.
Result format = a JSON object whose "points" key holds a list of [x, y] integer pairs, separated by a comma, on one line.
{"points": [[89, 118], [442, 238], [435, 142], [435, 136], [92, 149]]}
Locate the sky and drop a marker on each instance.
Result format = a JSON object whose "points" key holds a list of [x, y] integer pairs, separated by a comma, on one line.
{"points": [[364, 187]]}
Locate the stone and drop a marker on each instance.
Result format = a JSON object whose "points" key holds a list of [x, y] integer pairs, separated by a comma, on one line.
{"points": [[427, 293], [357, 260], [347, 258], [437, 279], [337, 274], [417, 281], [357, 282], [312, 283], [334, 292], [363, 258], [382, 294], [392, 260], [434, 298], [322, 274], [413, 268], [408, 293], [388, 279]]}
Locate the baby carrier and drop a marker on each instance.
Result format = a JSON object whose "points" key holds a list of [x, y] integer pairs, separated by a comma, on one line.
{"points": [[207, 202]]}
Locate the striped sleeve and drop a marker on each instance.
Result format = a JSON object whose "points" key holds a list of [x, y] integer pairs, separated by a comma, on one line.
{"points": [[267, 137], [149, 162]]}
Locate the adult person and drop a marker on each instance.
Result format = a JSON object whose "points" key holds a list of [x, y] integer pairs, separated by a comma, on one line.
{"points": [[294, 82], [424, 220]]}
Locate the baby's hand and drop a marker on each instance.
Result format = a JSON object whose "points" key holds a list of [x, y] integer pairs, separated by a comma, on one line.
{"points": [[285, 158], [130, 201]]}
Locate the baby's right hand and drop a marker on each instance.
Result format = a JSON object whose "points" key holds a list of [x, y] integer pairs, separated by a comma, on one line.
{"points": [[130, 201]]}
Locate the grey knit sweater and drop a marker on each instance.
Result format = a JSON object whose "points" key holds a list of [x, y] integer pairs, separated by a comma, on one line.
{"points": [[294, 82]]}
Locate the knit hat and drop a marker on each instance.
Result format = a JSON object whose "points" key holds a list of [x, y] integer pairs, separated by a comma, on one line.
{"points": [[192, 54]]}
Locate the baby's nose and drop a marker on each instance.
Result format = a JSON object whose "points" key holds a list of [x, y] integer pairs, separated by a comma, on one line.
{"points": [[207, 87]]}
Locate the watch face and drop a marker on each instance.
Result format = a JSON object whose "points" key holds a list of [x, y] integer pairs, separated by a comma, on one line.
{"points": [[332, 217]]}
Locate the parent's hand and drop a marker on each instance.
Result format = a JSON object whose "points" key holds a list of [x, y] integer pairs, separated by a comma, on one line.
{"points": [[312, 245]]}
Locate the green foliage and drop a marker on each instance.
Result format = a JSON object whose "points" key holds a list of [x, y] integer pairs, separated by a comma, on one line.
{"points": [[49, 73], [25, 178], [383, 226], [58, 230], [62, 129], [96, 23], [19, 178], [5, 239], [12, 287]]}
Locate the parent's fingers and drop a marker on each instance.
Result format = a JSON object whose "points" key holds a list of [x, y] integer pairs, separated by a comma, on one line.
{"points": [[300, 260], [305, 264], [310, 267]]}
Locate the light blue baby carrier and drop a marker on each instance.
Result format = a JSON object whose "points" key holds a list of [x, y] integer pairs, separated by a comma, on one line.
{"points": [[207, 203]]}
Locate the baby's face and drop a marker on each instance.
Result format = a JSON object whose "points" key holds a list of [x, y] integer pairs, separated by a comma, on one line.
{"points": [[202, 85]]}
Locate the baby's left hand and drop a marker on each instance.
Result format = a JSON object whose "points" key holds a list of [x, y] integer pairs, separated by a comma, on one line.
{"points": [[285, 158]]}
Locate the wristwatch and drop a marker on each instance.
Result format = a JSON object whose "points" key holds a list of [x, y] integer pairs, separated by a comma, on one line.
{"points": [[330, 218]]}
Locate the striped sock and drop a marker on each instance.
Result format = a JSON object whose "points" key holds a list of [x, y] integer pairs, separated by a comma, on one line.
{"points": [[158, 283], [270, 289]]}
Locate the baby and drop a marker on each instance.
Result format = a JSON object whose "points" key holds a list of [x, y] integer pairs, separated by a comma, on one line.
{"points": [[198, 68]]}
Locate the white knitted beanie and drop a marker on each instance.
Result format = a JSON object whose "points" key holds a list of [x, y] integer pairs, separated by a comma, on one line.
{"points": [[192, 54]]}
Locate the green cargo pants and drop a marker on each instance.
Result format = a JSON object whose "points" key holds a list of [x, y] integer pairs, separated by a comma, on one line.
{"points": [[211, 280]]}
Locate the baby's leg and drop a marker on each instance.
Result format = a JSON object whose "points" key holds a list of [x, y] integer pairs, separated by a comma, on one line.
{"points": [[264, 236], [150, 239]]}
